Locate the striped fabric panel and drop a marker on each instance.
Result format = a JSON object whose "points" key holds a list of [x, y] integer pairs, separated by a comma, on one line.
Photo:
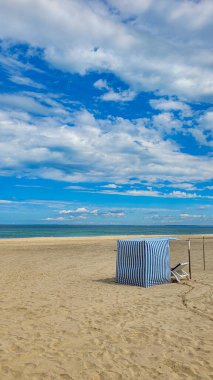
{"points": [[157, 262], [129, 265], [143, 262]]}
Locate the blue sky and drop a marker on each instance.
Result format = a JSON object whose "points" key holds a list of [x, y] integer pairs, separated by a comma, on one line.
{"points": [[106, 112]]}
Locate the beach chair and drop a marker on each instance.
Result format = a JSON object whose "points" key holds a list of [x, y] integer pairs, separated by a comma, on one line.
{"points": [[178, 273]]}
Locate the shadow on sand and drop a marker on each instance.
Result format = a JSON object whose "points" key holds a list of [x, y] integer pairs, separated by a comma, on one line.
{"points": [[107, 281]]}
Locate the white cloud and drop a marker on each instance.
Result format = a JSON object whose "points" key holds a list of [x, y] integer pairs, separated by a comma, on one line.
{"points": [[185, 186], [204, 207], [165, 122], [30, 102], [56, 219], [160, 46], [75, 187], [12, 64], [42, 203], [182, 194], [149, 193], [129, 149], [65, 212], [111, 186], [133, 8], [204, 131], [163, 104], [81, 209], [185, 16], [101, 84], [94, 212], [134, 193], [192, 216], [114, 96], [30, 186], [23, 103], [23, 80], [155, 193], [83, 213], [118, 214]]}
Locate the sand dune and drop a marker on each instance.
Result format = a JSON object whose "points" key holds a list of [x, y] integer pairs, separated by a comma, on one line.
{"points": [[63, 316]]}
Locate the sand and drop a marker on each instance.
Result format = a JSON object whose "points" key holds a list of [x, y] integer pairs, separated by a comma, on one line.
{"points": [[63, 316]]}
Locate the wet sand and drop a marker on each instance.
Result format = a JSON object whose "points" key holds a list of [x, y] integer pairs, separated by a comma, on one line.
{"points": [[63, 316]]}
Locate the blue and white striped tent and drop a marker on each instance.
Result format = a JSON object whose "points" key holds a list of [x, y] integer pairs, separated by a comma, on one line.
{"points": [[143, 262]]}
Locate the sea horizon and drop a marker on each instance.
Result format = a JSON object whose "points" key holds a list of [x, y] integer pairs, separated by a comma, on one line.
{"points": [[10, 231]]}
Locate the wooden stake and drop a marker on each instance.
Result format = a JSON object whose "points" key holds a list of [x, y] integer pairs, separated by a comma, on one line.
{"points": [[204, 256], [189, 255]]}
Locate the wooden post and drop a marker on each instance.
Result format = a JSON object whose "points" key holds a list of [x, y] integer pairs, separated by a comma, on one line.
{"points": [[204, 257], [189, 255]]}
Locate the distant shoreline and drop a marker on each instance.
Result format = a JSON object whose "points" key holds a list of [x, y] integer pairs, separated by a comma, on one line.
{"points": [[55, 239], [74, 231]]}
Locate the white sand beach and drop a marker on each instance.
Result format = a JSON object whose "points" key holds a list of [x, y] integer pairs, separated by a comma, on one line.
{"points": [[64, 317]]}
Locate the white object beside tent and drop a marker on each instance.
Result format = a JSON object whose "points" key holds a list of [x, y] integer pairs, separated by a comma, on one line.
{"points": [[179, 273]]}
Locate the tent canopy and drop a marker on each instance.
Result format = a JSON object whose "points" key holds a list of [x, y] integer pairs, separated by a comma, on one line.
{"points": [[143, 262]]}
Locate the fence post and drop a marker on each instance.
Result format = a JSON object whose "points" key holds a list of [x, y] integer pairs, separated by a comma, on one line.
{"points": [[189, 255], [204, 256]]}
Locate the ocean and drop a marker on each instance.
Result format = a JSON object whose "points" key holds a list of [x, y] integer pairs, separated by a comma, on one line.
{"points": [[26, 231]]}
